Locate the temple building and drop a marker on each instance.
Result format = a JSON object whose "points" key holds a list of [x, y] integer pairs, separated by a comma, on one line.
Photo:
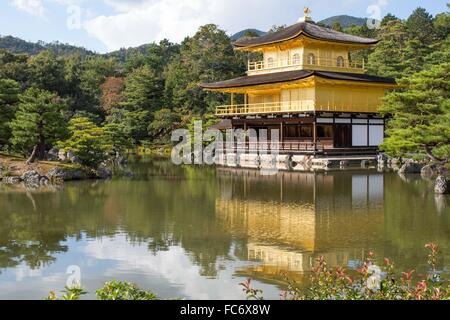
{"points": [[307, 86]]}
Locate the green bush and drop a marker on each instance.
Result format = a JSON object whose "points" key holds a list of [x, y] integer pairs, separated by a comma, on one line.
{"points": [[114, 290], [88, 142]]}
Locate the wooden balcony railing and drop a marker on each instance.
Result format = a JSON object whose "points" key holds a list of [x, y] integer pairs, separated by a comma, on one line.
{"points": [[308, 63], [290, 107], [272, 146], [265, 108]]}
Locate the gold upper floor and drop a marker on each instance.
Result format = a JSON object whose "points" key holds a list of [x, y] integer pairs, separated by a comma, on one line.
{"points": [[301, 54]]}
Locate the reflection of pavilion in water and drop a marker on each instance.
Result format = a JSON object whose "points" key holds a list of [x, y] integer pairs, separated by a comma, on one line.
{"points": [[291, 218]]}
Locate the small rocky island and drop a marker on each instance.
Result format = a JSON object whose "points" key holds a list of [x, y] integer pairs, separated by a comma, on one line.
{"points": [[55, 170]]}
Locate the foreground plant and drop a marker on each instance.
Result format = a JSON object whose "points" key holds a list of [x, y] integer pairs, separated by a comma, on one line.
{"points": [[114, 290], [370, 283]]}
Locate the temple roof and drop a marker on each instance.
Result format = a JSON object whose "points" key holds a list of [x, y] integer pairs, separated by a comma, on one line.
{"points": [[309, 29], [271, 78]]}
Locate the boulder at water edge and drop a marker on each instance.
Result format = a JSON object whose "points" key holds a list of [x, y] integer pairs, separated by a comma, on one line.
{"points": [[103, 173], [63, 174], [411, 167], [442, 186]]}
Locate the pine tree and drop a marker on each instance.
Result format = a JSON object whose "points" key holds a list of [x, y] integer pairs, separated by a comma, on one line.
{"points": [[143, 90], [9, 91], [88, 142], [135, 123], [206, 57], [420, 26], [388, 57], [117, 137], [420, 124], [47, 72], [38, 124]]}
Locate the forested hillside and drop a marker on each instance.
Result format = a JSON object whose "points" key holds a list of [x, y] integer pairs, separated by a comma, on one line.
{"points": [[131, 98], [17, 45], [344, 20]]}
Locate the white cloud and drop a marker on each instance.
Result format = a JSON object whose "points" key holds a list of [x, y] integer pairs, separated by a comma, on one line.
{"points": [[135, 22], [33, 7], [174, 267], [130, 23], [139, 22]]}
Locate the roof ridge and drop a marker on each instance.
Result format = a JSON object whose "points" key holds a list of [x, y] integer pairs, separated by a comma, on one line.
{"points": [[286, 76], [310, 29]]}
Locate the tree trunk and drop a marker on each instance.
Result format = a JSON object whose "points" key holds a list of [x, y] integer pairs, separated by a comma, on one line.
{"points": [[431, 156], [33, 156], [36, 154]]}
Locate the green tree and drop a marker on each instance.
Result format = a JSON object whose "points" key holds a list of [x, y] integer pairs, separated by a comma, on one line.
{"points": [[387, 58], [442, 25], [421, 116], [47, 72], [160, 55], [164, 121], [206, 57], [87, 141], [420, 26], [13, 66], [250, 34], [276, 28], [39, 123], [337, 26], [135, 123], [361, 31], [117, 137], [143, 90], [387, 19], [94, 72], [9, 91]]}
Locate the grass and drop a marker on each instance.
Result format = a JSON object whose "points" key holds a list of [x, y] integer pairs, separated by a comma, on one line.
{"points": [[15, 165]]}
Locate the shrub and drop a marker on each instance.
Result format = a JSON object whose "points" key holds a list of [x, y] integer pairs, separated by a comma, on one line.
{"points": [[114, 290], [87, 141]]}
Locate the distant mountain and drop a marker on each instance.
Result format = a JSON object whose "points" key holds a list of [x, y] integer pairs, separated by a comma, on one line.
{"points": [[123, 53], [242, 33], [344, 20], [18, 45]]}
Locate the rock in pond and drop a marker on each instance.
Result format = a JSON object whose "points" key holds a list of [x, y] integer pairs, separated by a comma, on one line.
{"points": [[31, 177], [432, 170], [411, 167], [11, 180], [103, 173], [53, 155], [65, 174], [442, 186]]}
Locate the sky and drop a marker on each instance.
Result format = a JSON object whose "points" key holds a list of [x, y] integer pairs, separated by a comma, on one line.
{"points": [[108, 25]]}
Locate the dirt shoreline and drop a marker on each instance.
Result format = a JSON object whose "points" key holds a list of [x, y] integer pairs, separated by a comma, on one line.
{"points": [[16, 166]]}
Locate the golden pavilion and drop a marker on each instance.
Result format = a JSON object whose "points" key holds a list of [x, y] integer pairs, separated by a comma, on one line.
{"points": [[306, 86]]}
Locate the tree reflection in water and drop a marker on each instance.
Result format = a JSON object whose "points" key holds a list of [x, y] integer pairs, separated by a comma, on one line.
{"points": [[276, 223]]}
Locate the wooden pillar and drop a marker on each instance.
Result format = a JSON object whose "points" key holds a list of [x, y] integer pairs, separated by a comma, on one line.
{"points": [[232, 101], [246, 102], [281, 132], [315, 133]]}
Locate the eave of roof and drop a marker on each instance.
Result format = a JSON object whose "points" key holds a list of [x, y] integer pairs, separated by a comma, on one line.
{"points": [[288, 76], [308, 29]]}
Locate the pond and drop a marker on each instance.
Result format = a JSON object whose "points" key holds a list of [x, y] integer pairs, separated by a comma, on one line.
{"points": [[197, 232]]}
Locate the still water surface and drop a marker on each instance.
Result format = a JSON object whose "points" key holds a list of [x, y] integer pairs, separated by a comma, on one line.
{"points": [[196, 233]]}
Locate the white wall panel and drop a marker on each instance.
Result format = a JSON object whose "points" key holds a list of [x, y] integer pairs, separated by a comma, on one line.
{"points": [[359, 136], [376, 135]]}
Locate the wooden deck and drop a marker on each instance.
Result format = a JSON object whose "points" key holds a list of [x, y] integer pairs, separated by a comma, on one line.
{"points": [[299, 148]]}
